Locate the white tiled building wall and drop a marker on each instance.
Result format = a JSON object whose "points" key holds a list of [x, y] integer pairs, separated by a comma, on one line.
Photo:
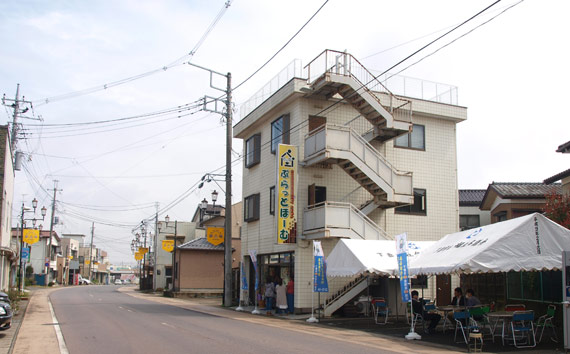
{"points": [[434, 169]]}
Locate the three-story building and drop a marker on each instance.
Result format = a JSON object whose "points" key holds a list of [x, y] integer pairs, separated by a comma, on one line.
{"points": [[371, 165]]}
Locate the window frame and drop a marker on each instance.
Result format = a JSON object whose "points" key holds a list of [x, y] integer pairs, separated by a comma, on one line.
{"points": [[411, 211], [256, 157], [272, 200], [284, 138], [469, 216], [409, 139], [252, 215]]}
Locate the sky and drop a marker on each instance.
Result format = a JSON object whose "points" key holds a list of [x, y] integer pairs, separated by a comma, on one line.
{"points": [[510, 74]]}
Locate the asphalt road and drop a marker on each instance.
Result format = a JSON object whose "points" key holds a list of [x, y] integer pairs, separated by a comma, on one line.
{"points": [[100, 319]]}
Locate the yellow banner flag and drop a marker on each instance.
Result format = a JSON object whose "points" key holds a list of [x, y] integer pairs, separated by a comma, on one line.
{"points": [[215, 235], [87, 261], [168, 245], [138, 256], [143, 250], [31, 236]]}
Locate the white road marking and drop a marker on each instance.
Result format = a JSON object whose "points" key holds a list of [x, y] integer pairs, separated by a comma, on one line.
{"points": [[61, 341], [168, 325]]}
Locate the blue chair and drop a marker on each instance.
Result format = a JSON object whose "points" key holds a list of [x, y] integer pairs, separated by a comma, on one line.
{"points": [[381, 309], [522, 329], [463, 323]]}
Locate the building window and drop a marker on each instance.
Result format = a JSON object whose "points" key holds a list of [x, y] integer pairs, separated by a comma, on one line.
{"points": [[500, 216], [272, 200], [251, 208], [279, 132], [253, 150], [419, 207], [467, 222], [413, 140]]}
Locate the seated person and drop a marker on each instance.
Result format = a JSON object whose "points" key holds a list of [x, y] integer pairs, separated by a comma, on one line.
{"points": [[472, 300], [458, 298], [418, 307]]}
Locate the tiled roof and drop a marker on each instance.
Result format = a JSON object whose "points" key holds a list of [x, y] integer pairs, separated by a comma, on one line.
{"points": [[471, 197], [523, 189], [201, 244], [564, 148], [557, 177]]}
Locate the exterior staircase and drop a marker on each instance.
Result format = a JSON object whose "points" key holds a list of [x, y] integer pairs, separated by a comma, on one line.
{"points": [[341, 145], [340, 73], [344, 295]]}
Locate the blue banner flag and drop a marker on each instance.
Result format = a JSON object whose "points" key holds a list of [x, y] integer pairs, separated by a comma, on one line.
{"points": [[402, 256], [253, 256], [243, 278], [26, 253], [320, 284]]}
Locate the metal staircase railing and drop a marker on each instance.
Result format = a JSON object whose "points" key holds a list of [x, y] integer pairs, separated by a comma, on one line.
{"points": [[341, 63], [331, 143]]}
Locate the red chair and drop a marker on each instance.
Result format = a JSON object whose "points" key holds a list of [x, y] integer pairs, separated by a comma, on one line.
{"points": [[515, 307]]}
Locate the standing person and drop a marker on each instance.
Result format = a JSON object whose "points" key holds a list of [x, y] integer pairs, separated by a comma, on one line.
{"points": [[290, 293], [269, 295], [281, 296], [418, 307], [458, 298]]}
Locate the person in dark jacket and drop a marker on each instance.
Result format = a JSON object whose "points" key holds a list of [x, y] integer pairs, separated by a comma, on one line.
{"points": [[458, 298], [418, 307]]}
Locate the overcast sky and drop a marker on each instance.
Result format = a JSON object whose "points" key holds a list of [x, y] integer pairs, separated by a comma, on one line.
{"points": [[511, 73]]}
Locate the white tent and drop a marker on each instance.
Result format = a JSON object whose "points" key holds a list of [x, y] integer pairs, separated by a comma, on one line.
{"points": [[531, 242], [353, 257]]}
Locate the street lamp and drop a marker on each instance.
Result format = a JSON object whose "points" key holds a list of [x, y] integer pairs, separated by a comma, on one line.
{"points": [[22, 226]]}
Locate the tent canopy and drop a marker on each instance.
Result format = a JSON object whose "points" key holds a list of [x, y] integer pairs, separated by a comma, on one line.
{"points": [[353, 257], [528, 243]]}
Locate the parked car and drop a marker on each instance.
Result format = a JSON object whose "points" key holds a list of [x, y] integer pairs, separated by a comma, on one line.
{"points": [[5, 314], [4, 297], [84, 281], [118, 282]]}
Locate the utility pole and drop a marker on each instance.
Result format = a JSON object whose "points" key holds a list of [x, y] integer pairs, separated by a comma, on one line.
{"points": [[228, 224], [228, 218], [48, 260], [91, 250], [155, 247], [174, 268], [16, 104]]}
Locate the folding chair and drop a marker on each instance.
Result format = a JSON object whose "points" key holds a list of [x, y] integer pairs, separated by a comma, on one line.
{"points": [[523, 323], [480, 320], [462, 323], [515, 307], [545, 321], [381, 309]]}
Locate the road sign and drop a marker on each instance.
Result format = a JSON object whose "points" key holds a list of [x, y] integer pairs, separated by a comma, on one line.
{"points": [[138, 256], [143, 250], [215, 235], [168, 245], [26, 253], [31, 236]]}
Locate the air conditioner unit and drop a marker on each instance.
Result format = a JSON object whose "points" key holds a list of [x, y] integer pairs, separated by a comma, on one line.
{"points": [[362, 304]]}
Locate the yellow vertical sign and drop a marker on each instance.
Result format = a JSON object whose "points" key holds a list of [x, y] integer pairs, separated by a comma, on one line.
{"points": [[286, 198], [31, 236], [168, 245]]}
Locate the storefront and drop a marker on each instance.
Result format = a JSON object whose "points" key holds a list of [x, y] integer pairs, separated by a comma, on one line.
{"points": [[276, 265]]}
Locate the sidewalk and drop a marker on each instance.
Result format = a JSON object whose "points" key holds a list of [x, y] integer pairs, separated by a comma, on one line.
{"points": [[37, 333]]}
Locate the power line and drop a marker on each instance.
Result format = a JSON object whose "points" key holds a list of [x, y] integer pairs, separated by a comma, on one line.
{"points": [[106, 86], [283, 47]]}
